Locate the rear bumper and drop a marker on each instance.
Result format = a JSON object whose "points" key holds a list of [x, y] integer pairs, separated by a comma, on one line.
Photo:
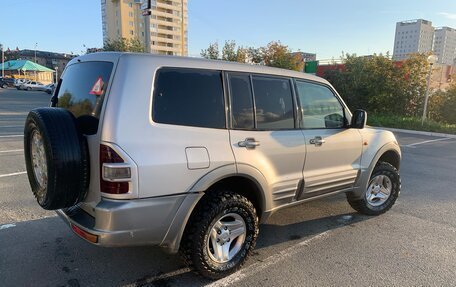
{"points": [[152, 221]]}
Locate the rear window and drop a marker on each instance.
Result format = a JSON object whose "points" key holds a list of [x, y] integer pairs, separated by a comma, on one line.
{"points": [[189, 97], [83, 87]]}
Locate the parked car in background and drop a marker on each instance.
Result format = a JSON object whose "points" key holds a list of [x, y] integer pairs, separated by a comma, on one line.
{"points": [[33, 86], [50, 88], [19, 82], [6, 82]]}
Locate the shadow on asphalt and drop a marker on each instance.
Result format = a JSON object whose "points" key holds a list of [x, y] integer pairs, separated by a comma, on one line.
{"points": [[271, 234], [60, 258]]}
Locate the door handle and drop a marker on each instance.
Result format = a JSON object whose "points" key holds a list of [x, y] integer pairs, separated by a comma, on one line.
{"points": [[249, 143], [317, 141]]}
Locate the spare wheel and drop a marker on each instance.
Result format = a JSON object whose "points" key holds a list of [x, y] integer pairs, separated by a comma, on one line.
{"points": [[56, 157]]}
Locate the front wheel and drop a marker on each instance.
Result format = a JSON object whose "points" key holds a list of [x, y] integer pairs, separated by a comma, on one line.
{"points": [[220, 235], [382, 191]]}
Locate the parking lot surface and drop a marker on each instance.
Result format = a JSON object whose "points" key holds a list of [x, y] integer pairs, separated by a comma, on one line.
{"points": [[320, 243]]}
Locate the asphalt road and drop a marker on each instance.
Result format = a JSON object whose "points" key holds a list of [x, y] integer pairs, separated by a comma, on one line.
{"points": [[320, 243]]}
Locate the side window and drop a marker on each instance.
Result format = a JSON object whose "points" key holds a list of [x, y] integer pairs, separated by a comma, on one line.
{"points": [[320, 107], [241, 101], [273, 103], [189, 97]]}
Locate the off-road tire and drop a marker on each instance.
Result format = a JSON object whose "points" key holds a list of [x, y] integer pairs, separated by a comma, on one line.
{"points": [[67, 158], [363, 206], [193, 245]]}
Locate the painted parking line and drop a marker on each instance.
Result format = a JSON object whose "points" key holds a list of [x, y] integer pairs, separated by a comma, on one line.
{"points": [[11, 126], [12, 136], [425, 142], [7, 113], [150, 281], [13, 174], [271, 260], [5, 226], [11, 150]]}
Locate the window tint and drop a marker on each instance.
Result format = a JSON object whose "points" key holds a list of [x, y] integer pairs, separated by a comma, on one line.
{"points": [[320, 107], [273, 102], [241, 102], [189, 97], [83, 86]]}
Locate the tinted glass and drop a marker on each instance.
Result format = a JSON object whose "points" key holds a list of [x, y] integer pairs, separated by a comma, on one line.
{"points": [[83, 87], [320, 107], [241, 102], [273, 102], [189, 97]]}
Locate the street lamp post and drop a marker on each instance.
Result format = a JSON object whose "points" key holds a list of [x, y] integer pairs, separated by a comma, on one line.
{"points": [[56, 75], [432, 59], [36, 44], [146, 5], [3, 61]]}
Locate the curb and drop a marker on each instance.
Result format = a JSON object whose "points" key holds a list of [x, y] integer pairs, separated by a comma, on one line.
{"points": [[432, 134]]}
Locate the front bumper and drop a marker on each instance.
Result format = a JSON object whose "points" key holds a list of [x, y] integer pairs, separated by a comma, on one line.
{"points": [[151, 221]]}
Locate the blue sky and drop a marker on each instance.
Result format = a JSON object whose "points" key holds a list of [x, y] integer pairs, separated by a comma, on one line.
{"points": [[325, 27]]}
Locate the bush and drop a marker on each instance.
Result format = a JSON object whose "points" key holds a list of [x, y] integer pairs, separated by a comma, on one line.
{"points": [[410, 123]]}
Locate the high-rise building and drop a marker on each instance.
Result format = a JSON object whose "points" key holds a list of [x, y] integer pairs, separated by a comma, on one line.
{"points": [[168, 24], [414, 36], [445, 45]]}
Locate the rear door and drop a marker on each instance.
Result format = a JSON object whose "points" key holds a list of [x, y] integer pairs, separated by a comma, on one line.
{"points": [[333, 150], [263, 132]]}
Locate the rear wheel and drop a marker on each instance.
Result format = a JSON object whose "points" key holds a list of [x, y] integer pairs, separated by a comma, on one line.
{"points": [[382, 191], [220, 235]]}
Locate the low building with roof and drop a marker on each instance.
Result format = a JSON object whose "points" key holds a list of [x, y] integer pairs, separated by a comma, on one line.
{"points": [[24, 69], [44, 58]]}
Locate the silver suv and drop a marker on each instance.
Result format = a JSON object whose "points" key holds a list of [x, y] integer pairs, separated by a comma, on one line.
{"points": [[191, 155]]}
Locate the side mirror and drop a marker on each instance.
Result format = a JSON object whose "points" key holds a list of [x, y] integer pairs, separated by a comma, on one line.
{"points": [[359, 119]]}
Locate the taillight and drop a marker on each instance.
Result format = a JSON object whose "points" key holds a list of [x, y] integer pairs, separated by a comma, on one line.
{"points": [[114, 173]]}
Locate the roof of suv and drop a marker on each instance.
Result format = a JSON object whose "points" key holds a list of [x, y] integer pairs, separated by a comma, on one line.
{"points": [[198, 63]]}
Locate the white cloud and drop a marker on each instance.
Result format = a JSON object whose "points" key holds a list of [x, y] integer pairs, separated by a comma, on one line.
{"points": [[448, 15]]}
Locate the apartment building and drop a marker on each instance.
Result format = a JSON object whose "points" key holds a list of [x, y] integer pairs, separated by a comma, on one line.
{"points": [[445, 45], [414, 36], [168, 24]]}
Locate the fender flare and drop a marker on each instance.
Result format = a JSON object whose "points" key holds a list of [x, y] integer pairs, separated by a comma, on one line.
{"points": [[172, 239], [365, 173]]}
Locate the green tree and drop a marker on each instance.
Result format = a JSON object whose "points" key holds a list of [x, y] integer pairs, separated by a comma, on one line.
{"points": [[277, 55], [414, 70], [274, 55], [442, 105], [437, 102], [379, 85], [229, 51], [255, 55], [124, 45], [241, 55], [449, 107], [212, 52]]}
